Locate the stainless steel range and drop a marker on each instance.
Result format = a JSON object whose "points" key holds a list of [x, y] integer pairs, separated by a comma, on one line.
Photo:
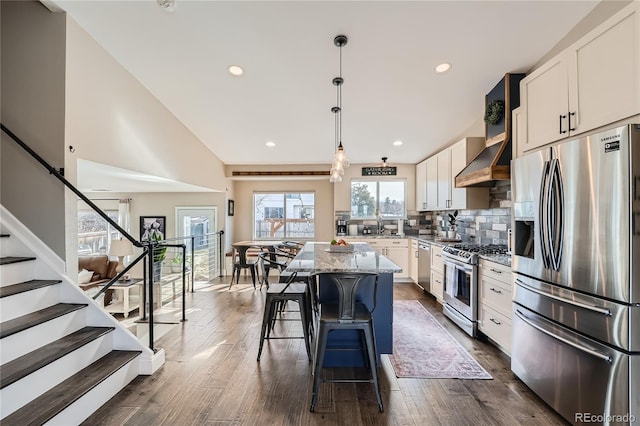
{"points": [[461, 282]]}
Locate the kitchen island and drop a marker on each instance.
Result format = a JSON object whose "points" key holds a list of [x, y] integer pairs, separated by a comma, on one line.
{"points": [[315, 258]]}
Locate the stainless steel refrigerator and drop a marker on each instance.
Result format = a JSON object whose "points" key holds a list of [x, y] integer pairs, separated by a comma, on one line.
{"points": [[576, 258]]}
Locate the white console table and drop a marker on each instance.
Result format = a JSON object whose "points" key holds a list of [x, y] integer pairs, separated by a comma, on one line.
{"points": [[125, 304]]}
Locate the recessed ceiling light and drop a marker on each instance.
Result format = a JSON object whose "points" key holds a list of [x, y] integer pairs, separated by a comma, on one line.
{"points": [[168, 5], [270, 144], [397, 143], [444, 67], [235, 70]]}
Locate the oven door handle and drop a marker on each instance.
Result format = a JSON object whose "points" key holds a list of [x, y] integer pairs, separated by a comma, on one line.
{"points": [[597, 309], [592, 352], [460, 266]]}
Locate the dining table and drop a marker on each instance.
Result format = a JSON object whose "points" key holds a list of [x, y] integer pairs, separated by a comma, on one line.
{"points": [[318, 257], [243, 246]]}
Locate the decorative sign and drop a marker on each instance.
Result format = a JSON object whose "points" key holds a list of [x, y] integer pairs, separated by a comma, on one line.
{"points": [[379, 171]]}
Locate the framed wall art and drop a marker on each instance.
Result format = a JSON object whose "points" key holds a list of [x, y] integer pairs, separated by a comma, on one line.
{"points": [[152, 228]]}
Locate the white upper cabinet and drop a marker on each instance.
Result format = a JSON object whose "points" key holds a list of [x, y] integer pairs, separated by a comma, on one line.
{"points": [[592, 83], [421, 186], [444, 179], [432, 183], [545, 102], [441, 172], [604, 72]]}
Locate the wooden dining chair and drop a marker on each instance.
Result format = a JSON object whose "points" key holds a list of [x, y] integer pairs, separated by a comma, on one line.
{"points": [[347, 313]]}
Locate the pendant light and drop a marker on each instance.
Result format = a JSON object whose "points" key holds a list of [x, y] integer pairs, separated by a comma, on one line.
{"points": [[340, 161]]}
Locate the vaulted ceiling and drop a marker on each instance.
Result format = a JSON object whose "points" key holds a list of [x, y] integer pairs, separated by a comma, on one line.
{"points": [[391, 91]]}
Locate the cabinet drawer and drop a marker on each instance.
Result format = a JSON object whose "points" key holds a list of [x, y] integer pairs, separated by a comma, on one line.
{"points": [[436, 258], [496, 326], [437, 285], [397, 243], [495, 271], [495, 294]]}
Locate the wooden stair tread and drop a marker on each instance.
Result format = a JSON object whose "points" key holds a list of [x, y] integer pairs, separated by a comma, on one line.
{"points": [[24, 322], [52, 402], [21, 367], [12, 289], [14, 259]]}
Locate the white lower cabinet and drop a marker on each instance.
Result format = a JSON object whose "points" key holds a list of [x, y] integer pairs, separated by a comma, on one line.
{"points": [[396, 249], [437, 285], [494, 302], [413, 261], [437, 273]]}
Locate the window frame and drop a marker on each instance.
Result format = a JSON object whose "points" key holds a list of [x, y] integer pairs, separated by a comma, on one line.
{"points": [[109, 233], [285, 196], [378, 181]]}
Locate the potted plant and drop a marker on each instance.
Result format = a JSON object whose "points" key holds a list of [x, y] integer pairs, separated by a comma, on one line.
{"points": [[176, 263], [159, 254], [452, 225]]}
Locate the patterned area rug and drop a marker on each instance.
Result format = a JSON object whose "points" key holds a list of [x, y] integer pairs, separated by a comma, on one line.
{"points": [[423, 348]]}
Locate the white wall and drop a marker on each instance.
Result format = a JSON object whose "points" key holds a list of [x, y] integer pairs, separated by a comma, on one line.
{"points": [[112, 118], [32, 107]]}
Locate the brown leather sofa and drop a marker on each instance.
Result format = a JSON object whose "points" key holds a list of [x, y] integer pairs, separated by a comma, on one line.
{"points": [[103, 270]]}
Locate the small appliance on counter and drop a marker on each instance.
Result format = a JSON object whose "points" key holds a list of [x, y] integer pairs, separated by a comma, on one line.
{"points": [[341, 227], [353, 229]]}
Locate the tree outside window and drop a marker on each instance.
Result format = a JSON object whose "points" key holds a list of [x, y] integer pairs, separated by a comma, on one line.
{"points": [[378, 199], [94, 233]]}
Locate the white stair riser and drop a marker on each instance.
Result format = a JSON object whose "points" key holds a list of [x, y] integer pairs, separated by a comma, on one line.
{"points": [[14, 273], [97, 397], [28, 340], [20, 393], [24, 303], [11, 246]]}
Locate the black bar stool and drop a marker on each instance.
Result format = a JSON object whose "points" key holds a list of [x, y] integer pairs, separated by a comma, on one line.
{"points": [[347, 314], [279, 294]]}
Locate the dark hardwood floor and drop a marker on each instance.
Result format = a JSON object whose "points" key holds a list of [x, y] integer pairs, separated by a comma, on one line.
{"points": [[211, 377]]}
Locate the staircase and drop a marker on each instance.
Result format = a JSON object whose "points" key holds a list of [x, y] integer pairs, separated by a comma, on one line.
{"points": [[61, 355]]}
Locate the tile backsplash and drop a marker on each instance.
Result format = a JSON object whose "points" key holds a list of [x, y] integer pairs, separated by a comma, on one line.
{"points": [[489, 226]]}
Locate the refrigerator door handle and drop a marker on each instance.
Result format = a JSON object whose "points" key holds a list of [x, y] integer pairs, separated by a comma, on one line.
{"points": [[597, 309], [543, 215], [577, 346], [556, 219]]}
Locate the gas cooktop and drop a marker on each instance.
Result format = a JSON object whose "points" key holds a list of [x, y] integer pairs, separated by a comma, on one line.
{"points": [[468, 253], [482, 248]]}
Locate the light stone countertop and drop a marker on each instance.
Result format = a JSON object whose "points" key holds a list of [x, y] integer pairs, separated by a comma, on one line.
{"points": [[314, 257]]}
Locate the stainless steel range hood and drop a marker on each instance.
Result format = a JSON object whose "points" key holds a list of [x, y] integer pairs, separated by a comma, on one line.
{"points": [[490, 165]]}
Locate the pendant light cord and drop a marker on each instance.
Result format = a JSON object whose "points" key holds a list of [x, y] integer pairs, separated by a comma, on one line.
{"points": [[340, 100]]}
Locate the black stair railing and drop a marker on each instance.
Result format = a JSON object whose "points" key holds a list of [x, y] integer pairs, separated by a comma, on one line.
{"points": [[148, 247]]}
